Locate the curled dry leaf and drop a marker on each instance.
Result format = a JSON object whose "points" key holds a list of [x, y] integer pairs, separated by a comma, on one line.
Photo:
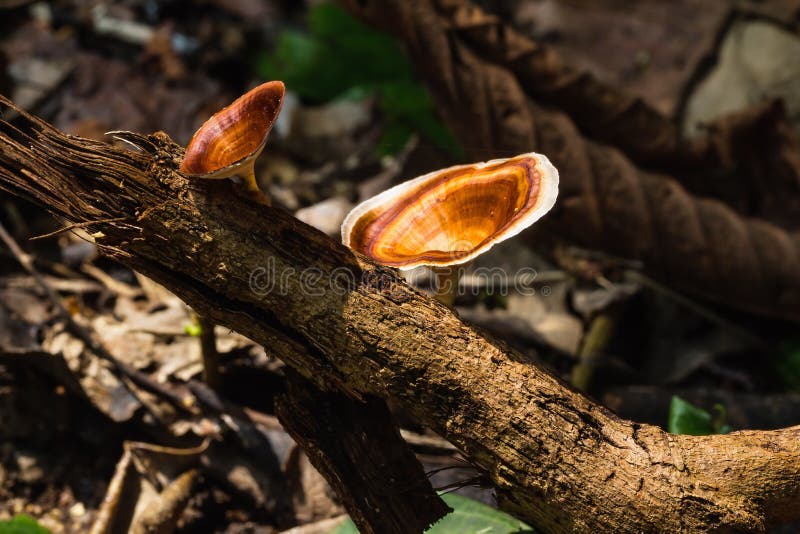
{"points": [[757, 151], [613, 116], [699, 245], [727, 162], [604, 112]]}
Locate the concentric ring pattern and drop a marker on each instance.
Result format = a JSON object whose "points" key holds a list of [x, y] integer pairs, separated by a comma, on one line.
{"points": [[234, 134], [450, 216]]}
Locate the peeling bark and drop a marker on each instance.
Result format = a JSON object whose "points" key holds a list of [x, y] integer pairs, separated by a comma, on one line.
{"points": [[557, 460]]}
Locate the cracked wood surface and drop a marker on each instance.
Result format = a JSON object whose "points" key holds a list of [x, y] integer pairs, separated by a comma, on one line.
{"points": [[557, 460]]}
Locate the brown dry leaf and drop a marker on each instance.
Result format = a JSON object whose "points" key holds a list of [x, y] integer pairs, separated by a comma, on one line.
{"points": [[313, 499], [605, 112], [327, 215], [255, 477], [648, 48], [38, 62], [699, 245], [751, 162], [728, 163], [146, 102], [149, 490], [252, 11], [99, 382], [756, 60], [325, 526], [22, 314], [160, 51]]}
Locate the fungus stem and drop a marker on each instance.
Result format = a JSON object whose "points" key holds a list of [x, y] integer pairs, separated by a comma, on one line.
{"points": [[251, 186], [208, 348], [446, 284], [593, 345]]}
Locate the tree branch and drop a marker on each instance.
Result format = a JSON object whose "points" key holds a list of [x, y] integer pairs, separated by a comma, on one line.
{"points": [[385, 489], [557, 460]]}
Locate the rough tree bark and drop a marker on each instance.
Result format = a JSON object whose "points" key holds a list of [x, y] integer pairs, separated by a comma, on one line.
{"points": [[557, 460]]}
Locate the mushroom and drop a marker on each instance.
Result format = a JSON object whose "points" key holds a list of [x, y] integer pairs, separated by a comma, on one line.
{"points": [[450, 216], [229, 143], [226, 145]]}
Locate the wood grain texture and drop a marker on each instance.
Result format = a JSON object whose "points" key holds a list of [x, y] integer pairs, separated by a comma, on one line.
{"points": [[557, 460]]}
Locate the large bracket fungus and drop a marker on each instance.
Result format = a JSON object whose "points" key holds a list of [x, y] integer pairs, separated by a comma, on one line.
{"points": [[450, 216]]}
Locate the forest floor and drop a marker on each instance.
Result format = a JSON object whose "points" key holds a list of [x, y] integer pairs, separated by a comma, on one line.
{"points": [[348, 130]]}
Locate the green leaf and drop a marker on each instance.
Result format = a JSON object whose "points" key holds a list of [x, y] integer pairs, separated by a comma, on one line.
{"points": [[787, 363], [22, 524], [341, 57], [468, 517], [380, 56], [409, 104], [304, 65], [686, 418], [395, 134], [193, 329]]}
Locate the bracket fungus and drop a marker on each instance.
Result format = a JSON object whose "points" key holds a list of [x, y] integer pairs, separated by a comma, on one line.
{"points": [[450, 216], [229, 143]]}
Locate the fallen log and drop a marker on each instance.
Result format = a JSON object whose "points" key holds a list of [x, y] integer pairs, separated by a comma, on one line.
{"points": [[557, 460]]}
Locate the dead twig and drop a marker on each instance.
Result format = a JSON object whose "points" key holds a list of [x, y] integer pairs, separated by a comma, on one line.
{"points": [[74, 226], [161, 516], [108, 509]]}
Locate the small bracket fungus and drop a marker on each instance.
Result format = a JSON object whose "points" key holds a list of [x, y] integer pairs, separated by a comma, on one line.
{"points": [[449, 217], [229, 143]]}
